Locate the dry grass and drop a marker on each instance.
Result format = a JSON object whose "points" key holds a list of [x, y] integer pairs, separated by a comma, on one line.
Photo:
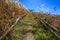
{"points": [[8, 13], [52, 19]]}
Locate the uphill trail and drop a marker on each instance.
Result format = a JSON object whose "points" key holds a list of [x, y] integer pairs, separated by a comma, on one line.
{"points": [[29, 35], [24, 28]]}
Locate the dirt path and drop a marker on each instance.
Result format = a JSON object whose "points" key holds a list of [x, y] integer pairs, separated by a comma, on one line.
{"points": [[29, 35]]}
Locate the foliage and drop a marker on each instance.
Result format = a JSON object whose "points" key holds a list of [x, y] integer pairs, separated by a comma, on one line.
{"points": [[35, 25], [8, 13], [51, 19]]}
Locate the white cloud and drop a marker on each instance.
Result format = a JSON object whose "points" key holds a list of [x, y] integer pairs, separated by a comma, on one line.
{"points": [[42, 5], [16, 0], [47, 9], [44, 8]]}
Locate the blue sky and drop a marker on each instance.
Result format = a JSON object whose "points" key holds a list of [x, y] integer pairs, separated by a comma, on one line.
{"points": [[45, 5]]}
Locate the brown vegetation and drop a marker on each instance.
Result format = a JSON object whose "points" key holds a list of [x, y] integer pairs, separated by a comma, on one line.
{"points": [[52, 19], [8, 13]]}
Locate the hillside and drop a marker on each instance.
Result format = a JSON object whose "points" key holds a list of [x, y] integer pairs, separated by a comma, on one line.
{"points": [[53, 19], [28, 27]]}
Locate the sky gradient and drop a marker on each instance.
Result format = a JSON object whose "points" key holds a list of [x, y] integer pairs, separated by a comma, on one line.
{"points": [[45, 5]]}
